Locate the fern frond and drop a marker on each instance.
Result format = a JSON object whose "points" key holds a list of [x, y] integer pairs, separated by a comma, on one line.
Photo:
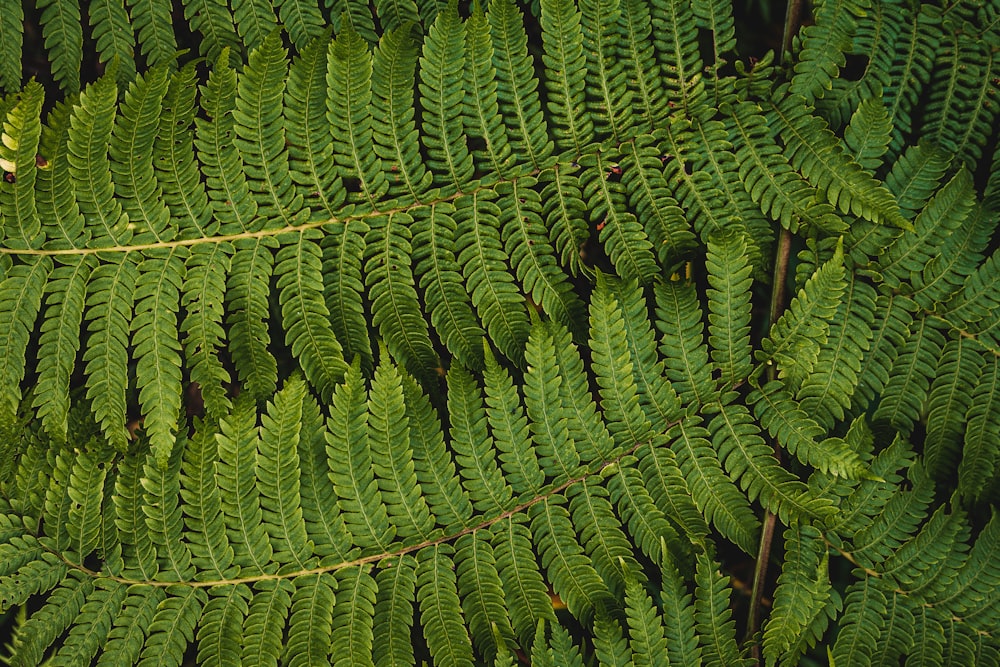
{"points": [[161, 486], [675, 36], [867, 136], [779, 190], [949, 399], [440, 611], [254, 20], [729, 306], [525, 593], [678, 618], [138, 555], [48, 623], [153, 29], [905, 393], [214, 20], [713, 617], [247, 288], [394, 607], [642, 69], [220, 628], [509, 426], [565, 75], [393, 124], [645, 626], [260, 135], [62, 31], [608, 95], [685, 354], [211, 552], [202, 299], [441, 280], [395, 309], [613, 365], [310, 142], [861, 624], [602, 536], [20, 300], [812, 148], [304, 315], [611, 646], [803, 598], [264, 625], [302, 20], [572, 576], [343, 283], [715, 495], [62, 221], [480, 109], [11, 43], [22, 129], [173, 626], [517, 87], [347, 441], [750, 461], [482, 593], [474, 451], [86, 492], [647, 525], [981, 449], [353, 613], [87, 636], [441, 88]]}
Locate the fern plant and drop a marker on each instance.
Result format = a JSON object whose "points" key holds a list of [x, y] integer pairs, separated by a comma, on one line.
{"points": [[424, 332]]}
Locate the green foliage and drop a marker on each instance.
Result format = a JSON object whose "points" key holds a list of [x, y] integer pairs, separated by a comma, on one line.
{"points": [[428, 333]]}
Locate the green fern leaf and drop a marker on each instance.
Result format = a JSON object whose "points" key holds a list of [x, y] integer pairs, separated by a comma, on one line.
{"points": [[393, 124], [621, 234], [264, 625], [565, 72], [645, 626], [448, 501], [11, 44], [21, 134], [161, 486], [861, 623], [675, 37], [138, 554], [611, 647], [573, 578], [713, 617], [254, 20], [950, 398], [685, 354], [304, 314], [394, 13], [609, 96], [980, 451], [601, 534], [87, 636], [231, 202], [558, 455], [778, 189], [260, 136], [247, 289], [813, 148], [717, 17], [214, 20], [236, 473], [302, 20], [202, 299], [482, 593], [349, 112], [177, 171], [152, 23], [86, 492], [389, 439], [58, 209], [821, 47], [868, 135], [525, 593], [172, 627], [668, 487], [211, 552], [220, 628], [637, 50], [474, 451], [796, 338], [613, 365], [343, 251], [277, 481], [802, 599], [310, 141], [440, 611], [62, 31], [480, 110], [353, 618], [647, 525], [678, 618], [324, 522], [354, 481], [310, 626], [442, 89], [396, 584], [729, 306], [109, 303], [395, 310], [59, 343], [905, 393], [441, 281], [565, 216], [650, 198], [479, 251], [20, 300], [155, 346], [750, 461], [48, 623], [961, 255], [509, 426]]}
